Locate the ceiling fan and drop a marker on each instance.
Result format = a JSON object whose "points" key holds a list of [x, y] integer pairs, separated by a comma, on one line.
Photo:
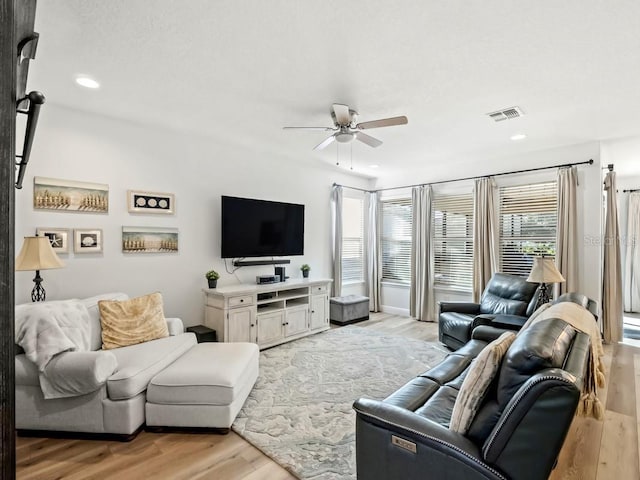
{"points": [[346, 129]]}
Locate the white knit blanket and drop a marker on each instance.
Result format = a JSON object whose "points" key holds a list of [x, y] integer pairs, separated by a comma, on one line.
{"points": [[45, 330], [581, 319]]}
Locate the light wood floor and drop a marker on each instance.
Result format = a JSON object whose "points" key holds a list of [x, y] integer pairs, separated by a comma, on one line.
{"points": [[603, 450]]}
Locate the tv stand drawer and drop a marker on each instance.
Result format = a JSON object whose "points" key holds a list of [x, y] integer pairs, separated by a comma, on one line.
{"points": [[240, 301]]}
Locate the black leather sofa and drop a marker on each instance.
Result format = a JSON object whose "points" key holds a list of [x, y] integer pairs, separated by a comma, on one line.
{"points": [[507, 302], [518, 431]]}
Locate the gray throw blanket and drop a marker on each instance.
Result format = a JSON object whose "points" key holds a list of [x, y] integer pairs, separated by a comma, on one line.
{"points": [[45, 330]]}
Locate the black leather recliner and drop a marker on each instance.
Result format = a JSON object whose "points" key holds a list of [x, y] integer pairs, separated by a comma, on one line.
{"points": [[518, 432], [507, 302]]}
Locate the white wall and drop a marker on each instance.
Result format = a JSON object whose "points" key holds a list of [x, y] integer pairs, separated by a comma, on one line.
{"points": [[78, 146], [589, 208]]}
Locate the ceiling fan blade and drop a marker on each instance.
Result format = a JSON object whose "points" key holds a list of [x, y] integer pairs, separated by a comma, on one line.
{"points": [[342, 114], [368, 139], [327, 141], [383, 122], [311, 129]]}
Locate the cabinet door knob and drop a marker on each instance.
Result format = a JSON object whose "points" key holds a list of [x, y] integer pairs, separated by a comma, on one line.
{"points": [[242, 300], [253, 324], [313, 311]]}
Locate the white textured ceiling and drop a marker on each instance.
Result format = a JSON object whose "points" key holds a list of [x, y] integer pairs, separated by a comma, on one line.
{"points": [[239, 70]]}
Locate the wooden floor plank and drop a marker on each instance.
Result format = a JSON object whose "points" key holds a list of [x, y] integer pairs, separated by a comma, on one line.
{"points": [[620, 396], [619, 448], [581, 447]]}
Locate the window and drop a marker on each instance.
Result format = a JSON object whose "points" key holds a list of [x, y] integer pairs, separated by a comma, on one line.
{"points": [[453, 241], [528, 222], [352, 240], [396, 240]]}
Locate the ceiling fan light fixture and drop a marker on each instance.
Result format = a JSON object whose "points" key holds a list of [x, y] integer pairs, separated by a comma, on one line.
{"points": [[344, 137]]}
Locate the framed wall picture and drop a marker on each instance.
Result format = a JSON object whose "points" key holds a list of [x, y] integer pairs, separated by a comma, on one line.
{"points": [[87, 240], [70, 196], [149, 240], [58, 237], [151, 202]]}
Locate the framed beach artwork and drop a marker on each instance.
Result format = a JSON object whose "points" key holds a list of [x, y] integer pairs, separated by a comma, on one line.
{"points": [[149, 240], [87, 240], [58, 238], [70, 196], [151, 202]]}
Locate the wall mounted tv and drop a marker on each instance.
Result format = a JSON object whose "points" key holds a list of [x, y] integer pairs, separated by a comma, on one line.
{"points": [[260, 228]]}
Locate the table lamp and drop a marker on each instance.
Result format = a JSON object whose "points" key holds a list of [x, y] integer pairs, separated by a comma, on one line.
{"points": [[37, 254], [544, 271]]}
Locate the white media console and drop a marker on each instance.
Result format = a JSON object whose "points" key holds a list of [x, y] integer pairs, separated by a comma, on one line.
{"points": [[268, 314]]}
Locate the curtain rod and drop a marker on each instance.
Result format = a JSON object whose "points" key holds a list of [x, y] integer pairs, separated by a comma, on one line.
{"points": [[631, 190], [590, 162]]}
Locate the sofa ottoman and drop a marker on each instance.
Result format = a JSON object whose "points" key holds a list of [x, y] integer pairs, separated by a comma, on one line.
{"points": [[206, 387], [348, 309]]}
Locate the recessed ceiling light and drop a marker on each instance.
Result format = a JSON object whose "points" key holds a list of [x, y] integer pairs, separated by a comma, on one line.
{"points": [[518, 136], [87, 82], [374, 166]]}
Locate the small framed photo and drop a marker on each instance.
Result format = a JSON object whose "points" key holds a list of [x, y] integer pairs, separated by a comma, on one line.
{"points": [[151, 202], [58, 237], [87, 240], [149, 240]]}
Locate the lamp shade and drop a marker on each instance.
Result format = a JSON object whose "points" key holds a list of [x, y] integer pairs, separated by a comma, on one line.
{"points": [[37, 254], [544, 271]]}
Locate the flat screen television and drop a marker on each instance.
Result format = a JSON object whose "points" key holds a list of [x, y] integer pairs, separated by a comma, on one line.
{"points": [[260, 228]]}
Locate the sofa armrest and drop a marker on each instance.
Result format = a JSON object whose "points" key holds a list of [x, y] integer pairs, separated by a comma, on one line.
{"points": [[459, 307], [436, 449], [175, 326], [77, 373], [487, 333], [499, 320]]}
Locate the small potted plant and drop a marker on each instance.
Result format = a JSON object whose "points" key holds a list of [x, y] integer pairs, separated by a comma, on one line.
{"points": [[305, 270], [212, 277]]}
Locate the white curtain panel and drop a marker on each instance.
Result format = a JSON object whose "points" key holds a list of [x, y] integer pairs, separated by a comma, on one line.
{"points": [[485, 228], [336, 234], [373, 252], [632, 264], [421, 303], [612, 272], [567, 232]]}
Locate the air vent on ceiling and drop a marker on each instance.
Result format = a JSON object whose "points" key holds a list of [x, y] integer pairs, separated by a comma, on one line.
{"points": [[506, 114]]}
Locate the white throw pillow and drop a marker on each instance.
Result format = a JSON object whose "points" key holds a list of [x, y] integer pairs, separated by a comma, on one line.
{"points": [[476, 384]]}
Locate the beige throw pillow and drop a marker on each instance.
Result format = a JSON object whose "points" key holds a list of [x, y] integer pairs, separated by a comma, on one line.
{"points": [[476, 384], [133, 321]]}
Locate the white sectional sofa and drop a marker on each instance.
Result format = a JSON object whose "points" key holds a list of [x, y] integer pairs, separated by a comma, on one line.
{"points": [[121, 377]]}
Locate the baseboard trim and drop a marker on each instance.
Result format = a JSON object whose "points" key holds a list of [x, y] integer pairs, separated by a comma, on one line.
{"points": [[395, 310]]}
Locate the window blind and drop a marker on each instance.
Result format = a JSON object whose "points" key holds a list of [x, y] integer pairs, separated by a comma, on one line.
{"points": [[352, 240], [453, 241], [396, 240], [528, 222]]}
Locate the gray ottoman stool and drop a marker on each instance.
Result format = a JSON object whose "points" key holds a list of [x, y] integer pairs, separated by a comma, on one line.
{"points": [[206, 387], [348, 309]]}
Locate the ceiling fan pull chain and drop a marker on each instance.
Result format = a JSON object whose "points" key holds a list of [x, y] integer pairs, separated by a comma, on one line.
{"points": [[337, 158], [351, 153]]}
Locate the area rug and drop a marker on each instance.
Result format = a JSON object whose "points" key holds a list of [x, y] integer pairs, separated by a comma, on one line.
{"points": [[300, 410]]}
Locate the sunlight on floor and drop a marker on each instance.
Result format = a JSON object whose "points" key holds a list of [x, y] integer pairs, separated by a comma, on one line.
{"points": [[631, 329]]}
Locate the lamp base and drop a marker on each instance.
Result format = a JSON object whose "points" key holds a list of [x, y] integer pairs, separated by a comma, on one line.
{"points": [[544, 294], [38, 294]]}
